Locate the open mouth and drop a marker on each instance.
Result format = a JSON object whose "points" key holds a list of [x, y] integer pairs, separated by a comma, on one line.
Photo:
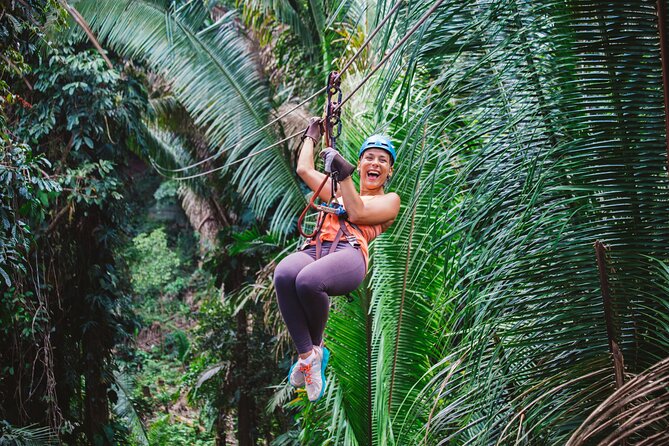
{"points": [[373, 175]]}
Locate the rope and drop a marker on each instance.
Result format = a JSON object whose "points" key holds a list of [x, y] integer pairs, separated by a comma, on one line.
{"points": [[346, 66]]}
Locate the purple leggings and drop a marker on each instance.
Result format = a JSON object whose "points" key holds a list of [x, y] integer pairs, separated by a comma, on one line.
{"points": [[303, 286]]}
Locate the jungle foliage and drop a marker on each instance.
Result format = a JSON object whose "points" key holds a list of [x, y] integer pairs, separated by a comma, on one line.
{"points": [[528, 134], [64, 295]]}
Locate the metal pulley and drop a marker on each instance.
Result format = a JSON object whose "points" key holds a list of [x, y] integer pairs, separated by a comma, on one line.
{"points": [[333, 111]]}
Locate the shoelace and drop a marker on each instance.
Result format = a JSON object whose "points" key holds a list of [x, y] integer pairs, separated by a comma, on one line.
{"points": [[306, 370]]}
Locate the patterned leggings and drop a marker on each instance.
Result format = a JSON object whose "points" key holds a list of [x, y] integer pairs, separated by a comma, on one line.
{"points": [[303, 286]]}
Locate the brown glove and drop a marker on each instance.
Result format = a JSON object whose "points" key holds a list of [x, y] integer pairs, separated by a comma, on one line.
{"points": [[313, 130], [334, 162]]}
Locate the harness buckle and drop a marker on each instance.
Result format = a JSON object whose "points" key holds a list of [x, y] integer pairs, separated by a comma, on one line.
{"points": [[306, 244], [352, 240], [332, 208]]}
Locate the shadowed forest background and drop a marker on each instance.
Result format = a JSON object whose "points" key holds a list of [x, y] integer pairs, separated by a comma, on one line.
{"points": [[520, 298]]}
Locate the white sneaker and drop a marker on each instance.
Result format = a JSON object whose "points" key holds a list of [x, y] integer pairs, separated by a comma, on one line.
{"points": [[295, 376], [313, 369]]}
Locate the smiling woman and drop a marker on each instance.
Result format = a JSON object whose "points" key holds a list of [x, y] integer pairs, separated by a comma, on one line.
{"points": [[304, 280]]}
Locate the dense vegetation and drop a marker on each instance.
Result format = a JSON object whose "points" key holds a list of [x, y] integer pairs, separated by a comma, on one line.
{"points": [[138, 240]]}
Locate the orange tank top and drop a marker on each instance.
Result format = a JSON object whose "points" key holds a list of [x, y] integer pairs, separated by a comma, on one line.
{"points": [[365, 234]]}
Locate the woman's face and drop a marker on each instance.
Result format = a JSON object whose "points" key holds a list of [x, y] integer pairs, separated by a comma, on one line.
{"points": [[374, 167]]}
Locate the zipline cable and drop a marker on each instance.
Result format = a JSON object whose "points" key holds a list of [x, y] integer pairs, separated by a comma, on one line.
{"points": [[374, 70], [346, 66], [354, 29], [391, 52], [244, 138], [371, 36], [231, 163]]}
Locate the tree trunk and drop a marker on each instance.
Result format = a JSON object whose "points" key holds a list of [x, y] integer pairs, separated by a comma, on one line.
{"points": [[202, 218], [96, 407], [245, 416], [222, 429]]}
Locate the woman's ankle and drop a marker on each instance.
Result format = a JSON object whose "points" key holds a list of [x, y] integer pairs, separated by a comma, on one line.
{"points": [[305, 355]]}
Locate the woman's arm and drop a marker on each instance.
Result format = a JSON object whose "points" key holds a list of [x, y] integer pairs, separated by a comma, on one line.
{"points": [[380, 209], [307, 171]]}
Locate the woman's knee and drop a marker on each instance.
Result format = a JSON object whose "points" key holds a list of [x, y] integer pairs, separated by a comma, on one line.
{"points": [[308, 284], [285, 273]]}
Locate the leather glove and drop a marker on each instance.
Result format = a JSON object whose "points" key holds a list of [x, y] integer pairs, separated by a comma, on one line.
{"points": [[313, 130], [334, 162]]}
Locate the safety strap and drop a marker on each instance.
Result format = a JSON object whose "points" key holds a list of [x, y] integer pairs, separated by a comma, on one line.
{"points": [[332, 130], [343, 230], [352, 239]]}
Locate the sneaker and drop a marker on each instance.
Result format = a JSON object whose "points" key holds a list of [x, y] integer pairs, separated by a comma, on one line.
{"points": [[295, 376], [313, 369]]}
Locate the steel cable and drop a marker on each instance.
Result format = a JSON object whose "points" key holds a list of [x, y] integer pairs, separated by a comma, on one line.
{"points": [[231, 163], [422, 20], [345, 67], [406, 37], [371, 36], [244, 138]]}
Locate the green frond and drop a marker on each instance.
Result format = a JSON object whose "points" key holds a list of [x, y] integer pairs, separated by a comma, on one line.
{"points": [[125, 410], [32, 435], [214, 77], [525, 132], [548, 162]]}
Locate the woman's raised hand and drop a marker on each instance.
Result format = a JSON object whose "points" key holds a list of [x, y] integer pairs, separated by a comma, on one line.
{"points": [[314, 129], [334, 162]]}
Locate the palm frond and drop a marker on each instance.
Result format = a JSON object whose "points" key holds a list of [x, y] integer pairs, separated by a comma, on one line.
{"points": [[526, 131], [212, 75], [32, 435], [636, 412], [545, 170], [125, 410], [537, 144]]}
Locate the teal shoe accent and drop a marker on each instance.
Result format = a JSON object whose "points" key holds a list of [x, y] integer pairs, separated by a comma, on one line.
{"points": [[324, 364], [290, 372]]}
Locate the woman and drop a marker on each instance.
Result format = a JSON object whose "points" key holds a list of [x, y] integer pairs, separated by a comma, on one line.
{"points": [[304, 280]]}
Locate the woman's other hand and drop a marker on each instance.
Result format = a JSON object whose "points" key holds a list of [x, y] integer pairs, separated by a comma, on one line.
{"points": [[334, 162], [305, 162]]}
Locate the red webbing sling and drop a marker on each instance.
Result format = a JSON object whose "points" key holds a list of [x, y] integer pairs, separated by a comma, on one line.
{"points": [[332, 131]]}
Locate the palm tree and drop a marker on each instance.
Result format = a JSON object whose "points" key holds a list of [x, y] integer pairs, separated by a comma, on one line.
{"points": [[222, 93], [526, 133], [560, 149]]}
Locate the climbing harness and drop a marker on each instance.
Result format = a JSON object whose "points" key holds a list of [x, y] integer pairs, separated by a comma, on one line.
{"points": [[332, 130]]}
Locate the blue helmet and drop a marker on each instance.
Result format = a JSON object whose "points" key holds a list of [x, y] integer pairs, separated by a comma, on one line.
{"points": [[379, 142]]}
